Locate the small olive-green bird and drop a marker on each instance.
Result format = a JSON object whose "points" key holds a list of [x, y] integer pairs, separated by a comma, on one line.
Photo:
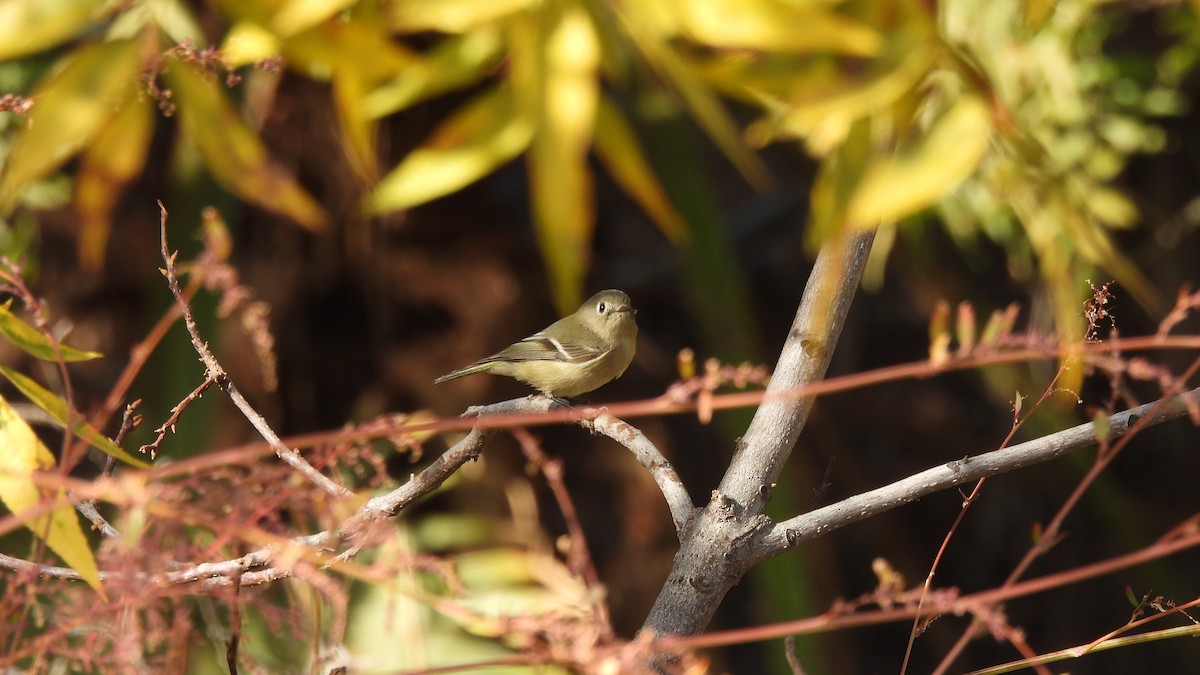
{"points": [[574, 355]]}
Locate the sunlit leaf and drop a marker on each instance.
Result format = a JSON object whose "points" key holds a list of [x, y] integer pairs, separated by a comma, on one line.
{"points": [[32, 342], [248, 42], [357, 46], [23, 455], [700, 101], [773, 25], [294, 16], [71, 108], [820, 106], [475, 141], [56, 408], [917, 176], [837, 178], [451, 16], [561, 184], [618, 149], [457, 62], [232, 151], [30, 26], [358, 130], [113, 160]]}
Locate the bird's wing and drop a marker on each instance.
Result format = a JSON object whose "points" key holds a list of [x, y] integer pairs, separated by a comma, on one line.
{"points": [[541, 347]]}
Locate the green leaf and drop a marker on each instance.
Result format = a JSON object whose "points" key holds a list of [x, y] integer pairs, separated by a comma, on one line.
{"points": [[30, 26], [618, 149], [451, 16], [457, 62], [916, 177], [71, 108], [231, 150], [23, 455], [114, 159], [32, 342], [485, 134], [701, 102], [770, 25], [565, 98], [56, 408]]}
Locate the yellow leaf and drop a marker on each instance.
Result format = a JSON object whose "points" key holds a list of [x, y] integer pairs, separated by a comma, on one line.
{"points": [[114, 159], [71, 108], [485, 134], [294, 16], [358, 130], [823, 104], [916, 177], [357, 46], [30, 26], [561, 185], [772, 25], [457, 62], [248, 42], [618, 149], [701, 102], [232, 151], [451, 16], [23, 455]]}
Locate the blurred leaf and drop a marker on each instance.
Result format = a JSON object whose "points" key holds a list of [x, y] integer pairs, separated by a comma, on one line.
{"points": [[23, 455], [294, 16], [701, 102], [820, 106], [32, 342], [457, 62], [617, 147], [232, 151], [354, 46], [114, 159], [451, 16], [774, 25], [475, 141], [72, 107], [917, 176], [560, 182], [248, 42], [30, 26], [56, 408], [837, 178], [358, 130]]}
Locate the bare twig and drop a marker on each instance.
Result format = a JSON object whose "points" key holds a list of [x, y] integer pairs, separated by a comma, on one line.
{"points": [[129, 421], [216, 373], [160, 433]]}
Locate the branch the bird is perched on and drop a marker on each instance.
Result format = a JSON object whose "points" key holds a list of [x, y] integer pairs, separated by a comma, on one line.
{"points": [[572, 356]]}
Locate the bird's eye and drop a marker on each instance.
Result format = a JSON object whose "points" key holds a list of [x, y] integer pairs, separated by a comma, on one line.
{"points": [[601, 307]]}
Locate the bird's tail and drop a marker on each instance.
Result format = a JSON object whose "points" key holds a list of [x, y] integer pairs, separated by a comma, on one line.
{"points": [[477, 367]]}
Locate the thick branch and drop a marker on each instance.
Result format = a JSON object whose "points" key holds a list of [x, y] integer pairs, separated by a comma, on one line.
{"points": [[715, 552], [797, 530], [805, 357]]}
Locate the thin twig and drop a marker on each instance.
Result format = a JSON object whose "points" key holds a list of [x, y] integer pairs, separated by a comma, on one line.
{"points": [[129, 421], [216, 373], [579, 558], [160, 433]]}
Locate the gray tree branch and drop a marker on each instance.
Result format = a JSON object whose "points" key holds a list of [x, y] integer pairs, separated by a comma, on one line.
{"points": [[718, 548]]}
